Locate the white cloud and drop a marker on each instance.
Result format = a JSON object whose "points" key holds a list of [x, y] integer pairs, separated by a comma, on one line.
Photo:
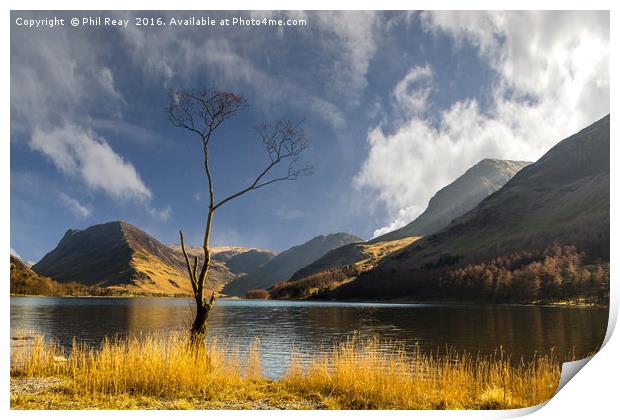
{"points": [[77, 208], [552, 79], [83, 155], [61, 81], [353, 45], [106, 80], [59, 76], [161, 214], [412, 92], [404, 216]]}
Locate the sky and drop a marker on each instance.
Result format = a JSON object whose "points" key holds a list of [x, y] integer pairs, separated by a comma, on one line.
{"points": [[396, 104]]}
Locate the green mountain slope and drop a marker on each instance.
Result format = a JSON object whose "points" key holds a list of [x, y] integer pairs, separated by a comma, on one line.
{"points": [[563, 198], [362, 255]]}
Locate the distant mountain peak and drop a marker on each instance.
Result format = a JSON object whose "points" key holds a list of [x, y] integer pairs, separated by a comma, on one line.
{"points": [[499, 164], [119, 254], [283, 265], [70, 232], [337, 236], [458, 197]]}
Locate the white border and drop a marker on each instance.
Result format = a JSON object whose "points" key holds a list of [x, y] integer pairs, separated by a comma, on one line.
{"points": [[591, 394]]}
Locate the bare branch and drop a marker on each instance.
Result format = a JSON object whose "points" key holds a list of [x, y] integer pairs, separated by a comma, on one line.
{"points": [[283, 140], [194, 268], [192, 273], [203, 111], [211, 301]]}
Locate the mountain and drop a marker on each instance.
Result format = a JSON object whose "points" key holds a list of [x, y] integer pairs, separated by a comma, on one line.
{"points": [[335, 268], [452, 201], [238, 260], [457, 198], [24, 281], [120, 256], [283, 265], [561, 199], [249, 261], [363, 255]]}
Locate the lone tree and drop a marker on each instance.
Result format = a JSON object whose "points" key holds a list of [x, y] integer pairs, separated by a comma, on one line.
{"points": [[201, 113]]}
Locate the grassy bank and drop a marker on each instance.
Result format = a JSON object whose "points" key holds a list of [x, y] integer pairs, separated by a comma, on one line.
{"points": [[163, 372]]}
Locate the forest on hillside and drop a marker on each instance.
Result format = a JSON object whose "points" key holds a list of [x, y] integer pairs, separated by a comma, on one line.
{"points": [[555, 274], [552, 274]]}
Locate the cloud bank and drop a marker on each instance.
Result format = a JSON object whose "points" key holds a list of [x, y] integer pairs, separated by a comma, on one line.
{"points": [[67, 93], [81, 154], [270, 66], [551, 79]]}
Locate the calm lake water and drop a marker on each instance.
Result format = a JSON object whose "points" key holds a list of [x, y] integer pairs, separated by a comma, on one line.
{"points": [[311, 326]]}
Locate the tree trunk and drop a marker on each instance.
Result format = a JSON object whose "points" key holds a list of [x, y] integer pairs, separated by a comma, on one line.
{"points": [[200, 325], [203, 307]]}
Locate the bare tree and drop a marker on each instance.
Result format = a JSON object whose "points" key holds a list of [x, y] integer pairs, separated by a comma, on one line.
{"points": [[201, 113]]}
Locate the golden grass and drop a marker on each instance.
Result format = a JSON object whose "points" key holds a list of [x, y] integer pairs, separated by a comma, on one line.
{"points": [[359, 375], [377, 251], [160, 274], [156, 371]]}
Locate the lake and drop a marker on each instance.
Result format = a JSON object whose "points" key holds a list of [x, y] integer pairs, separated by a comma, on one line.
{"points": [[310, 327]]}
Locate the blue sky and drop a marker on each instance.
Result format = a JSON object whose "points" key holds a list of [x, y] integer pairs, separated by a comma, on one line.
{"points": [[397, 105]]}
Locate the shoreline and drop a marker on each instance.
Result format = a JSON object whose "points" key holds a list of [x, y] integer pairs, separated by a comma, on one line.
{"points": [[399, 301]]}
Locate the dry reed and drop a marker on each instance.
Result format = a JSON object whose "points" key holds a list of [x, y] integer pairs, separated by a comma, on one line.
{"points": [[355, 374]]}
